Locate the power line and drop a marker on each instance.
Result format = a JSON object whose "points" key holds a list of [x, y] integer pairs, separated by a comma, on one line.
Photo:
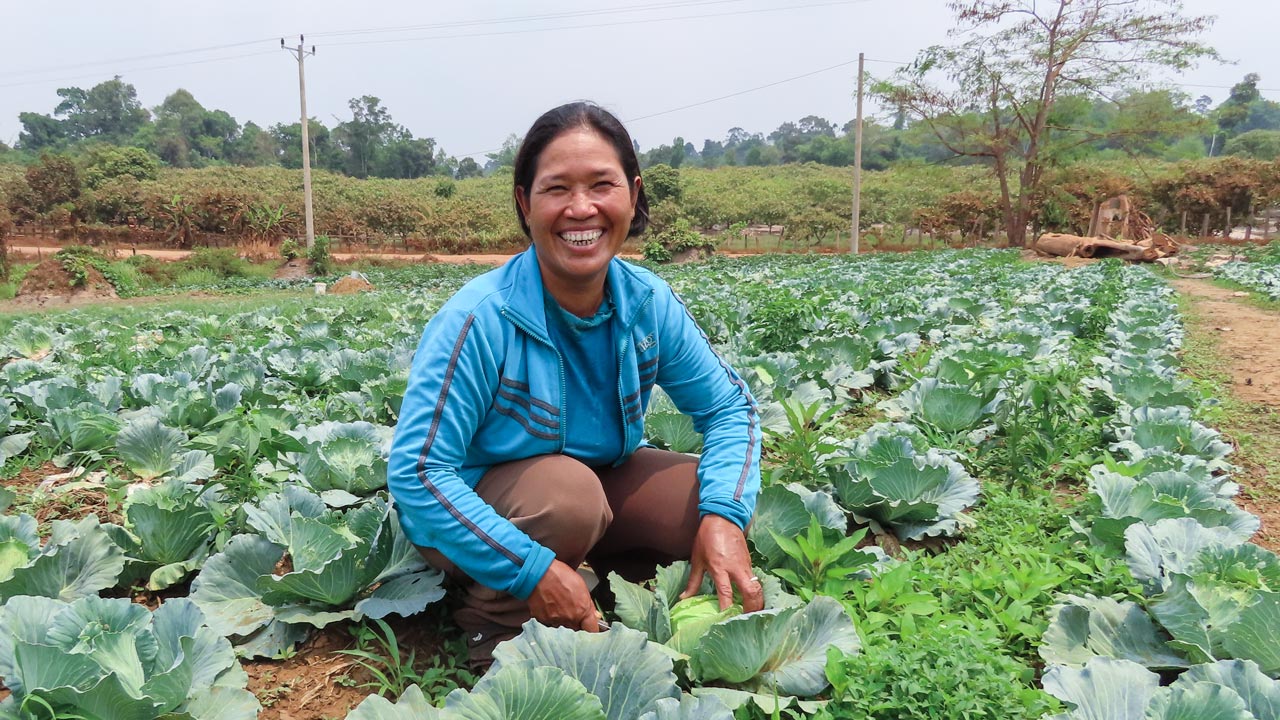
{"points": [[152, 56], [638, 21], [142, 69], [524, 18], [710, 100]]}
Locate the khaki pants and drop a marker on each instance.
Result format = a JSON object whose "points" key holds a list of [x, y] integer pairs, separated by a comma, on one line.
{"points": [[627, 519]]}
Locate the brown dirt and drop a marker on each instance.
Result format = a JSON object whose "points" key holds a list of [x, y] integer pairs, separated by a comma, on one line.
{"points": [[1244, 341], [49, 503], [49, 284], [350, 285], [1246, 337], [293, 270], [317, 682]]}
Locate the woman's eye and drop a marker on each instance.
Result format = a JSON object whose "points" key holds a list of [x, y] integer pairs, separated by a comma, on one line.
{"points": [[603, 184]]}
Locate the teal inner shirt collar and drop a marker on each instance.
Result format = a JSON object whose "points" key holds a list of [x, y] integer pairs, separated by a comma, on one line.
{"points": [[566, 319]]}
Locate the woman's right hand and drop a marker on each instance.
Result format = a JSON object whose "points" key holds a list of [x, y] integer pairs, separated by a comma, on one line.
{"points": [[561, 599]]}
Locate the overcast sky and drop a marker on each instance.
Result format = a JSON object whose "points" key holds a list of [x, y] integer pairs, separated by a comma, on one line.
{"points": [[470, 73]]}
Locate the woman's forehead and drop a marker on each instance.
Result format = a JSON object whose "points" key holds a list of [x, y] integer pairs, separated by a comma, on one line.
{"points": [[580, 151]]}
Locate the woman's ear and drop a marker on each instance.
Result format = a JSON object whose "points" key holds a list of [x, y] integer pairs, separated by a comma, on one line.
{"points": [[522, 201], [635, 192]]}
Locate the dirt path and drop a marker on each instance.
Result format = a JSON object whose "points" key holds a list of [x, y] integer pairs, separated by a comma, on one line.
{"points": [[1245, 358]]}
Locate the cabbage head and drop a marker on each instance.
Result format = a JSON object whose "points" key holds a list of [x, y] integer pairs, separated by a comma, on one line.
{"points": [[113, 659], [307, 566]]}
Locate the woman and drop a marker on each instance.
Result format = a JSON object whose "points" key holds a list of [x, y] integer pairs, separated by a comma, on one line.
{"points": [[517, 455]]}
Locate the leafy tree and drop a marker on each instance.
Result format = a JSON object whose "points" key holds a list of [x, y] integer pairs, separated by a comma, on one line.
{"points": [[188, 135], [254, 146], [1257, 144], [1233, 111], [367, 134], [40, 132], [1004, 80], [109, 111], [662, 183], [325, 153], [104, 162], [53, 180], [408, 158], [468, 168], [506, 157]]}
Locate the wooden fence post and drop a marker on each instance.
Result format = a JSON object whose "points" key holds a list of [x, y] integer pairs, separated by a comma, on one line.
{"points": [[1204, 227], [1184, 224], [1226, 232]]}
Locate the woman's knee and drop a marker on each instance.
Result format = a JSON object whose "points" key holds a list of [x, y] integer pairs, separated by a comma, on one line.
{"points": [[557, 500]]}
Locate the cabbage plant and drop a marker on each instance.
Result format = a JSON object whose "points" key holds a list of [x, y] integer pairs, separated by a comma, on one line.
{"points": [[12, 444], [78, 560], [894, 485], [111, 659], [342, 461], [1122, 501], [1140, 431], [1082, 628], [307, 566], [168, 532], [1124, 690], [779, 650]]}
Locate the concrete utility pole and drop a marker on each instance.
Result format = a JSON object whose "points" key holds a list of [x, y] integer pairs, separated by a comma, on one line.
{"points": [[301, 53], [857, 167]]}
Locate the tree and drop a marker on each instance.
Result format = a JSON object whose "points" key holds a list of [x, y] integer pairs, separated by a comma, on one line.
{"points": [[366, 135], [103, 162], [40, 132], [506, 157], [186, 134], [468, 168], [108, 111], [1257, 144], [1021, 57]]}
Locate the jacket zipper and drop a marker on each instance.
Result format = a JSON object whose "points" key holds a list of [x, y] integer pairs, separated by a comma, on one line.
{"points": [[622, 353], [564, 420]]}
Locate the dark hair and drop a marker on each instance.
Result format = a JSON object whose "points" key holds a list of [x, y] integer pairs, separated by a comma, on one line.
{"points": [[557, 121]]}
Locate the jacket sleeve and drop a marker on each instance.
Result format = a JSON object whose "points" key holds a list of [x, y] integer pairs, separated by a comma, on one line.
{"points": [[451, 385], [705, 388]]}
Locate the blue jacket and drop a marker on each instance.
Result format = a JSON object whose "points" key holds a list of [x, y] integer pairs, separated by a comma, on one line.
{"points": [[487, 387]]}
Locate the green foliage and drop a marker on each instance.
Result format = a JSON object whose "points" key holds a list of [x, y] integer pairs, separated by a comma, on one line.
{"points": [[826, 561], [221, 262], [951, 671], [394, 669], [290, 250], [106, 162], [319, 257], [77, 259], [662, 184]]}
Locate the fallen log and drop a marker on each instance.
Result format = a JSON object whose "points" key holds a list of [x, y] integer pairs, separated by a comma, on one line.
{"points": [[1064, 245]]}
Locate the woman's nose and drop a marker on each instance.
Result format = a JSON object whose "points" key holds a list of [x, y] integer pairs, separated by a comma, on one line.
{"points": [[580, 206]]}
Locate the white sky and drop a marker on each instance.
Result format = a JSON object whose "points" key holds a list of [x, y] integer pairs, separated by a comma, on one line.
{"points": [[470, 86]]}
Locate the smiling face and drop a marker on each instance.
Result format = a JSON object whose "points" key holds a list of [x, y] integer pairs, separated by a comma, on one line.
{"points": [[579, 209]]}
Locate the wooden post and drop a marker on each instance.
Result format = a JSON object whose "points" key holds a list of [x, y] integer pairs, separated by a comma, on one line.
{"points": [[1204, 227], [1226, 232], [1184, 224], [1248, 225], [1093, 220]]}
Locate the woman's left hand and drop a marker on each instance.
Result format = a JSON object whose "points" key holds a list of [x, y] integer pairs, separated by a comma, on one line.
{"points": [[720, 548]]}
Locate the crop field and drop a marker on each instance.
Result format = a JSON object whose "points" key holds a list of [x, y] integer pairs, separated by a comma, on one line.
{"points": [[990, 491]]}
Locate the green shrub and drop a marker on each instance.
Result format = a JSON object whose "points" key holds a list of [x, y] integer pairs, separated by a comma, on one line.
{"points": [[290, 250], [199, 277], [655, 251], [675, 239], [319, 257], [222, 262]]}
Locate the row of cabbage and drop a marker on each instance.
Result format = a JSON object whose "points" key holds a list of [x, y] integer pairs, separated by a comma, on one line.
{"points": [[1258, 269], [1164, 501]]}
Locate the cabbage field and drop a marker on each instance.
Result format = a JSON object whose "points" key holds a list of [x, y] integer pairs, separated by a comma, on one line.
{"points": [[989, 493]]}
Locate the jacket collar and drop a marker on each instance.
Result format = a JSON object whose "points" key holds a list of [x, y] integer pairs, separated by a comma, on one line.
{"points": [[524, 297]]}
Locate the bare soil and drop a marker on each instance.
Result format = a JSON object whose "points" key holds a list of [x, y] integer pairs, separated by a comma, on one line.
{"points": [[48, 493], [1247, 357], [49, 284]]}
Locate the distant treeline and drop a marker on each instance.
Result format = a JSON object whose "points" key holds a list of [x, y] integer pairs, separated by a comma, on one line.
{"points": [[182, 133]]}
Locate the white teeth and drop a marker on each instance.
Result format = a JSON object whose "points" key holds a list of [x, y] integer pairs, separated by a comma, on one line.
{"points": [[582, 238]]}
